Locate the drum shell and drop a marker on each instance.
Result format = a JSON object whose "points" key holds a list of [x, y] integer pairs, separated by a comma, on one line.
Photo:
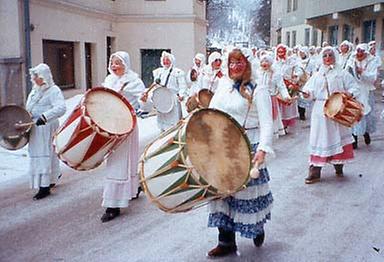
{"points": [[13, 138], [81, 143], [170, 177], [350, 112]]}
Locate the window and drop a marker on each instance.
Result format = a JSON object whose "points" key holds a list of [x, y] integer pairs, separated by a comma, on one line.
{"points": [[288, 38], [332, 35], [307, 34], [369, 28], [59, 55], [289, 5], [293, 38], [348, 32], [314, 37], [294, 7]]}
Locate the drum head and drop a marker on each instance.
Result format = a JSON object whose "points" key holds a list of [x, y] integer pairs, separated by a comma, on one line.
{"points": [[205, 97], [13, 138], [333, 105], [110, 110], [218, 150], [192, 103], [163, 100]]}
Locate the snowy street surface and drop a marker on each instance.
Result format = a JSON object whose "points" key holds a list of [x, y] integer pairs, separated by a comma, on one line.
{"points": [[338, 219]]}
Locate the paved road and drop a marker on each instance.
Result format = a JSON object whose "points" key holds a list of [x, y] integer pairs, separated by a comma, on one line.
{"points": [[339, 219]]}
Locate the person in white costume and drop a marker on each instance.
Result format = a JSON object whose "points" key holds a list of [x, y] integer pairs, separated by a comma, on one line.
{"points": [[329, 141], [246, 211], [46, 104], [284, 66], [212, 72], [363, 67], [265, 76], [195, 75], [173, 78], [121, 179], [346, 50]]}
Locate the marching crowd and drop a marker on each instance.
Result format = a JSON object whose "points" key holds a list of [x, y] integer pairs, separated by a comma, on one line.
{"points": [[265, 90]]}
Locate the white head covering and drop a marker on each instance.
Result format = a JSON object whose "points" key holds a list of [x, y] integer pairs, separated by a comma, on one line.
{"points": [[363, 47], [336, 54], [42, 71], [349, 44], [213, 56], [170, 56], [200, 57], [124, 57], [372, 43], [267, 57], [281, 46]]}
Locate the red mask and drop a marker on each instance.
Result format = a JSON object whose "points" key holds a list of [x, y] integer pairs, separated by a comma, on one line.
{"points": [[237, 67], [167, 62], [281, 52]]}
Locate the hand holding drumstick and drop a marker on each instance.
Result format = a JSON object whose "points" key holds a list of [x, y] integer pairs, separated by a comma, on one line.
{"points": [[257, 161]]}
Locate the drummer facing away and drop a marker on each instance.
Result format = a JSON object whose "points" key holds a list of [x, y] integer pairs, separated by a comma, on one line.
{"points": [[122, 182], [248, 210], [46, 104]]}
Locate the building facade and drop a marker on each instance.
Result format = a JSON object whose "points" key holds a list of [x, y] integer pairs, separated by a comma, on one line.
{"points": [[76, 38], [311, 22]]}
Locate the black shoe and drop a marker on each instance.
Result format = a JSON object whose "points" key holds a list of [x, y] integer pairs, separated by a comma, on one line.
{"points": [[221, 251], [339, 170], [139, 190], [354, 144], [367, 139], [43, 192], [259, 240], [110, 213]]}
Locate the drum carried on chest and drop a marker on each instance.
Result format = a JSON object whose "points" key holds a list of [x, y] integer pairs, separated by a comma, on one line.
{"points": [[102, 120], [343, 109], [201, 100], [15, 125], [163, 99], [206, 156]]}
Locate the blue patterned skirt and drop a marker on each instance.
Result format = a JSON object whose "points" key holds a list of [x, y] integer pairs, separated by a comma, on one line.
{"points": [[247, 211]]}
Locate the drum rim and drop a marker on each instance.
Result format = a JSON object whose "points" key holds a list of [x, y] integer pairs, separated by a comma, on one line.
{"points": [[126, 102], [25, 133], [170, 92]]}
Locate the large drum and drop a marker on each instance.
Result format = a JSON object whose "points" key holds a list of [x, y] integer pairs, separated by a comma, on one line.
{"points": [[163, 99], [206, 156], [201, 100], [102, 120], [15, 124], [343, 109]]}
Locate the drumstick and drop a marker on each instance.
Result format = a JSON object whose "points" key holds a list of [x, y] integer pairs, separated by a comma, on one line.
{"points": [[18, 125], [254, 173]]}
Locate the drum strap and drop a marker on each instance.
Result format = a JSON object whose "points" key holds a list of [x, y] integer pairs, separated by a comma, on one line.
{"points": [[167, 79], [123, 86], [248, 109]]}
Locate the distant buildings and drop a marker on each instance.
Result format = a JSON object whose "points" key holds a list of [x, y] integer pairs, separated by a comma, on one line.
{"points": [[311, 22], [76, 38]]}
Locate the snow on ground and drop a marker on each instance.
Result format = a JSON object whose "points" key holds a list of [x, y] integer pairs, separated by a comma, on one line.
{"points": [[14, 164]]}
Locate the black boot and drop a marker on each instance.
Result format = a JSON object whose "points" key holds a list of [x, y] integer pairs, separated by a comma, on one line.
{"points": [[367, 138], [138, 193], [259, 239], [301, 113], [313, 175], [339, 169], [226, 246], [43, 192], [110, 213], [354, 144]]}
